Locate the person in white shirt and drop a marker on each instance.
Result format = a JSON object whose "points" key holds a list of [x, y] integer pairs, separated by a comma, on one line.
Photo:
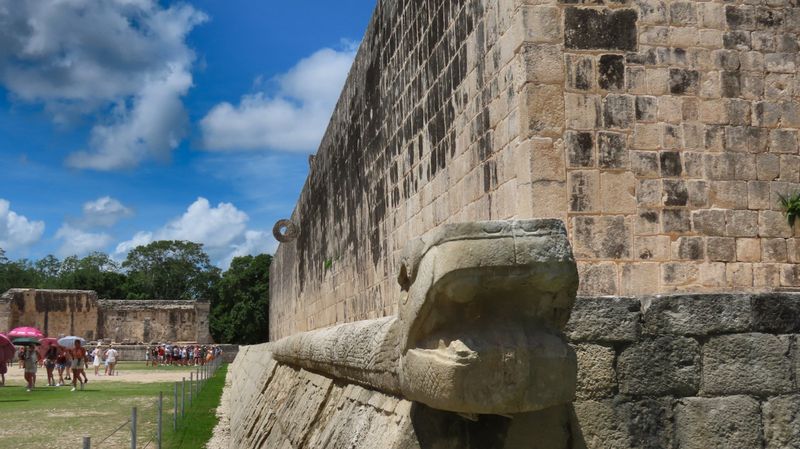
{"points": [[97, 355], [111, 358], [31, 361]]}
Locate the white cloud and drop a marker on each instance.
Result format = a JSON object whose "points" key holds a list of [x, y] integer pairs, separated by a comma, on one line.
{"points": [[222, 229], [125, 60], [294, 119], [103, 212], [77, 242], [16, 231]]}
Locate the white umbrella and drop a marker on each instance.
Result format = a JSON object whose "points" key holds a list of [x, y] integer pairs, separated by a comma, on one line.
{"points": [[69, 342]]}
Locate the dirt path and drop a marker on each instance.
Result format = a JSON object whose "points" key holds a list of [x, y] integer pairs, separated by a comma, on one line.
{"points": [[15, 376], [220, 439]]}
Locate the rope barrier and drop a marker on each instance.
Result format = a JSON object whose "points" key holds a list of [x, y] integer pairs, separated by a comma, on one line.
{"points": [[115, 431]]}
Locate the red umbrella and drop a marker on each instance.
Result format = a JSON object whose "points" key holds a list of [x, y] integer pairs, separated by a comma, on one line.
{"points": [[46, 344], [6, 349], [25, 332]]}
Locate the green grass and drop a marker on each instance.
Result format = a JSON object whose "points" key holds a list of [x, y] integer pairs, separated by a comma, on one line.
{"points": [[196, 429], [57, 417]]}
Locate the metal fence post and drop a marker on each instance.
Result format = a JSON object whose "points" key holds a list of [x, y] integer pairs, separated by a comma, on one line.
{"points": [[159, 428], [175, 409], [87, 443], [133, 428], [191, 388], [183, 397]]}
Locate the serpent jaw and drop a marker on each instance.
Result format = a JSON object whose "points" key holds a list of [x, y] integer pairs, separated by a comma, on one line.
{"points": [[483, 321]]}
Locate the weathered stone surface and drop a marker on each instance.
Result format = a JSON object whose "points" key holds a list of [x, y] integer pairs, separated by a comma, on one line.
{"points": [[588, 29], [596, 377], [659, 367], [604, 320], [696, 315], [610, 424], [782, 422], [776, 313], [756, 364], [444, 347], [80, 312], [728, 422]]}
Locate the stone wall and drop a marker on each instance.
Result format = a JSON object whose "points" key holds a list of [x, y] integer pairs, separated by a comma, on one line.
{"points": [[693, 371], [54, 312], [79, 312], [661, 132], [148, 320], [681, 371]]}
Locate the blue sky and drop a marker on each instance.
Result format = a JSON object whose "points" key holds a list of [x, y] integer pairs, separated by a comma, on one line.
{"points": [[127, 121]]}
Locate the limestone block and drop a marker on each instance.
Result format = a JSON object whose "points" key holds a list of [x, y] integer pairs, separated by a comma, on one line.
{"points": [[617, 192], [546, 160], [709, 221], [618, 111], [638, 278], [741, 223], [584, 190], [774, 250], [612, 319], [748, 250], [732, 422], [782, 422], [544, 63], [612, 150], [644, 164], [697, 315], [661, 366], [543, 110], [655, 247], [604, 237], [580, 149], [600, 29], [676, 221], [580, 72], [722, 249], [597, 279], [689, 248], [637, 424], [596, 377], [740, 274], [581, 111], [648, 222], [747, 364], [647, 109], [773, 224]]}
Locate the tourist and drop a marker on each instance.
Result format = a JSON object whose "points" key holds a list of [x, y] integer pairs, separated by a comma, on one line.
{"points": [[96, 355], [31, 362], [3, 371], [78, 365], [50, 363], [21, 357], [111, 359], [61, 365], [147, 356]]}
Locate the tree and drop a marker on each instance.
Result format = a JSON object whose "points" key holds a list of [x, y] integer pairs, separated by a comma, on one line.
{"points": [[97, 272], [20, 273], [170, 269], [240, 314]]}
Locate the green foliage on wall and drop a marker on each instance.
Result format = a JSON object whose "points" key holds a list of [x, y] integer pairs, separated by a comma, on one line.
{"points": [[791, 207]]}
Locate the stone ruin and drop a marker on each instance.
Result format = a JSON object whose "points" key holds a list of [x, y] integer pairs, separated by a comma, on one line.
{"points": [[543, 224], [80, 312]]}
